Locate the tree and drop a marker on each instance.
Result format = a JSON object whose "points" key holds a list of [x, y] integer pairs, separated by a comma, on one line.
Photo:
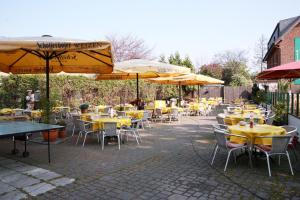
{"points": [[213, 70], [177, 60], [235, 71], [260, 51], [129, 47]]}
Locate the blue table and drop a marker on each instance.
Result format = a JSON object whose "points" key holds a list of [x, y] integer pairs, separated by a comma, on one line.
{"points": [[13, 128]]}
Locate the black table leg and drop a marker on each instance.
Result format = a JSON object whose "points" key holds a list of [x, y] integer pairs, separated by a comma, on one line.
{"points": [[25, 153], [48, 146]]}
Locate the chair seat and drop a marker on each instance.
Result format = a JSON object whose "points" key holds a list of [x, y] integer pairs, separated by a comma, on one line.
{"points": [[233, 145]]}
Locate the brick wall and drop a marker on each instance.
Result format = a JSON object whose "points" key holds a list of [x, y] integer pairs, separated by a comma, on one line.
{"points": [[287, 45], [285, 52]]}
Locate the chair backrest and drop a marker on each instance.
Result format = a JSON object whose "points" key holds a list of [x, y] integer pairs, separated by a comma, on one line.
{"points": [[121, 113], [220, 127], [290, 130], [221, 137], [81, 125], [145, 115], [110, 128], [280, 144], [270, 120], [149, 114], [174, 111], [220, 120], [158, 111], [106, 109]]}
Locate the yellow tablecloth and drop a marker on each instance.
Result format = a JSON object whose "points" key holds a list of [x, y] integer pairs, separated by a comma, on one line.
{"points": [[101, 108], [168, 109], [160, 104], [36, 114], [98, 123], [125, 107], [6, 111], [234, 119], [240, 110], [137, 114], [257, 130], [60, 108], [196, 106], [250, 106]]}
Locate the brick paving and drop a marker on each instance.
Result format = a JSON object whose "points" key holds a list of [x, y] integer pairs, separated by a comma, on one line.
{"points": [[171, 163]]}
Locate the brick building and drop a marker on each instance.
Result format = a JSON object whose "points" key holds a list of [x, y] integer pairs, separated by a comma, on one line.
{"points": [[284, 43]]}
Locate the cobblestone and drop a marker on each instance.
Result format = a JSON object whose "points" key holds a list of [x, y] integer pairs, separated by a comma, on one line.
{"points": [[172, 162]]}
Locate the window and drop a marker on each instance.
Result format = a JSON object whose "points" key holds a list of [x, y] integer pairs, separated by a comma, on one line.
{"points": [[297, 49]]}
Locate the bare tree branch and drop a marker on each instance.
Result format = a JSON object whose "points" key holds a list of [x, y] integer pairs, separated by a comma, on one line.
{"points": [[129, 47]]}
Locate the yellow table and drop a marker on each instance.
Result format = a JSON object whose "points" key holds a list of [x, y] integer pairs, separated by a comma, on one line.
{"points": [[257, 130], [6, 111], [36, 114], [233, 119], [137, 114], [250, 106], [126, 107], [160, 104], [168, 109], [240, 110], [196, 106], [101, 108], [61, 108], [98, 123]]}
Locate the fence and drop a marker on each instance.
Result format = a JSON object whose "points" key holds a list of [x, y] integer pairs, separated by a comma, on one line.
{"points": [[228, 93], [292, 101]]}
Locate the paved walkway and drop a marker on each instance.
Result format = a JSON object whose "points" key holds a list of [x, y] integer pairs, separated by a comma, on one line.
{"points": [[171, 163]]}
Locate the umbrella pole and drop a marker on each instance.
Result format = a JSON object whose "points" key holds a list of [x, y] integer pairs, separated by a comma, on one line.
{"points": [[198, 93], [137, 86], [179, 94], [47, 79], [48, 102]]}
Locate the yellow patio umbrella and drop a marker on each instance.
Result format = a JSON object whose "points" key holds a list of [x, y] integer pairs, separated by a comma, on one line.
{"points": [[188, 79], [140, 68], [46, 54]]}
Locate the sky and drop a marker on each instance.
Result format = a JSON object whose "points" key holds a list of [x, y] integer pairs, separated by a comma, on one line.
{"points": [[195, 28]]}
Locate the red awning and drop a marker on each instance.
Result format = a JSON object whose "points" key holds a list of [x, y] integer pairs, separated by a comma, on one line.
{"points": [[286, 71]]}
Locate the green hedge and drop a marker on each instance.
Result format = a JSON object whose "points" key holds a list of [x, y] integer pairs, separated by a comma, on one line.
{"points": [[74, 90]]}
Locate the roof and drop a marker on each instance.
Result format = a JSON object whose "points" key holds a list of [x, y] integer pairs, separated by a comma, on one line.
{"points": [[282, 27]]}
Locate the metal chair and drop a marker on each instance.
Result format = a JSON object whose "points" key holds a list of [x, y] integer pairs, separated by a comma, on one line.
{"points": [[121, 113], [223, 143], [220, 119], [75, 119], [292, 131], [145, 119], [110, 130], [279, 147], [158, 115], [133, 130], [173, 115], [220, 127], [85, 128], [270, 119]]}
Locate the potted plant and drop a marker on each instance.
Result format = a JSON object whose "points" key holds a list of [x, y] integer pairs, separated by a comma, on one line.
{"points": [[280, 110], [84, 107], [62, 132], [48, 118]]}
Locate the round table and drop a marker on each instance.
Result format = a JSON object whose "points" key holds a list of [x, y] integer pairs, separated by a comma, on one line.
{"points": [[233, 119], [137, 114], [98, 123], [257, 130]]}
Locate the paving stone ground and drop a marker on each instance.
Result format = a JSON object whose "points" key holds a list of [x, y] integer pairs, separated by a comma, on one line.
{"points": [[20, 180], [172, 162]]}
